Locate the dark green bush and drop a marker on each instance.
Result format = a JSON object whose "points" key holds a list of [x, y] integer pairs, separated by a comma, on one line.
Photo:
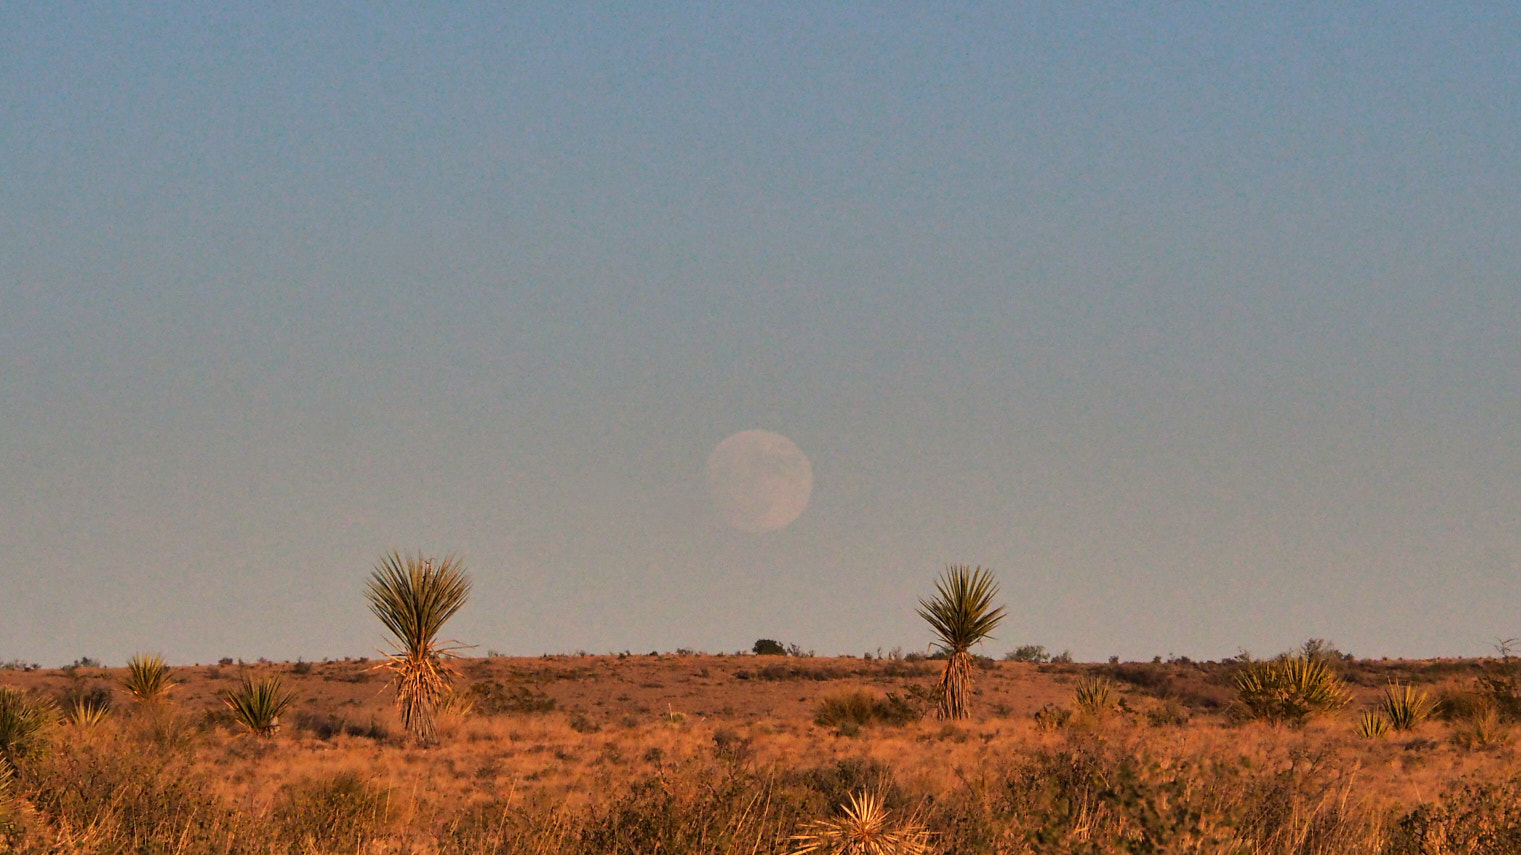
{"points": [[1028, 653], [769, 647]]}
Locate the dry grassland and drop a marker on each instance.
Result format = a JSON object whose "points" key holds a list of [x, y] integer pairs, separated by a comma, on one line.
{"points": [[724, 754]]}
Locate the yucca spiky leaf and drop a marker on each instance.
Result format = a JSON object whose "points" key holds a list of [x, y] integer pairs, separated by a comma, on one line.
{"points": [[862, 829], [259, 706], [413, 599], [147, 677], [961, 614]]}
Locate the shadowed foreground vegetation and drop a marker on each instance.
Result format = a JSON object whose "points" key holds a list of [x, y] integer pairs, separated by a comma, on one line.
{"points": [[595, 755]]}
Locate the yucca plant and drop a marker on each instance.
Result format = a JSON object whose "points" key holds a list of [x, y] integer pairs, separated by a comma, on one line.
{"points": [[147, 677], [962, 614], [24, 723], [413, 599], [85, 711], [1404, 706], [1290, 689], [1371, 725], [862, 829], [259, 706], [1094, 696]]}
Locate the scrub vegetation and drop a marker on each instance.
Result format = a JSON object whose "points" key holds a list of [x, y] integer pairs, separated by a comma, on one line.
{"points": [[1311, 752], [691, 753]]}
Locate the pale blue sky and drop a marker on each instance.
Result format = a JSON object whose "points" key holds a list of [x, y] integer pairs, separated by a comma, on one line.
{"points": [[1198, 325]]}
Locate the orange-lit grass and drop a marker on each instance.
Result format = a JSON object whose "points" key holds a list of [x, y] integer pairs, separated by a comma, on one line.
{"points": [[614, 728]]}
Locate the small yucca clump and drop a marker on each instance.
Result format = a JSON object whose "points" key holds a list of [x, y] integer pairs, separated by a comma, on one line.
{"points": [[1289, 690], [1404, 706], [259, 706], [24, 723], [1371, 725], [1094, 696], [86, 712], [147, 677], [863, 829]]}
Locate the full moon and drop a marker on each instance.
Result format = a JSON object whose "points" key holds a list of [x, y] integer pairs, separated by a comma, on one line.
{"points": [[759, 480]]}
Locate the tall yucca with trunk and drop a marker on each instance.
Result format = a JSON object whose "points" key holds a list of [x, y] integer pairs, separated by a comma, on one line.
{"points": [[962, 614], [413, 597]]}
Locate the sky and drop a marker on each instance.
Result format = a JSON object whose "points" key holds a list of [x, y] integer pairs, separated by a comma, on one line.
{"points": [[1199, 325]]}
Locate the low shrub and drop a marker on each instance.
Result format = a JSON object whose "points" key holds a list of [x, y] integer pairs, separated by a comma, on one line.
{"points": [[1028, 653], [1052, 717], [769, 647], [342, 813], [1482, 730], [1168, 713], [860, 708], [1477, 819], [492, 698]]}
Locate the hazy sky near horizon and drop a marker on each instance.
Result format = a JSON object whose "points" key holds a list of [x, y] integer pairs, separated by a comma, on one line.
{"points": [[1199, 325]]}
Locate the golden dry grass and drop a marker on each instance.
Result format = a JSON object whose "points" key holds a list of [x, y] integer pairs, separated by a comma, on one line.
{"points": [[561, 739]]}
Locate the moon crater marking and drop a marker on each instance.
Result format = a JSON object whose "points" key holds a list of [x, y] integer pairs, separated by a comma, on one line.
{"points": [[759, 481]]}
